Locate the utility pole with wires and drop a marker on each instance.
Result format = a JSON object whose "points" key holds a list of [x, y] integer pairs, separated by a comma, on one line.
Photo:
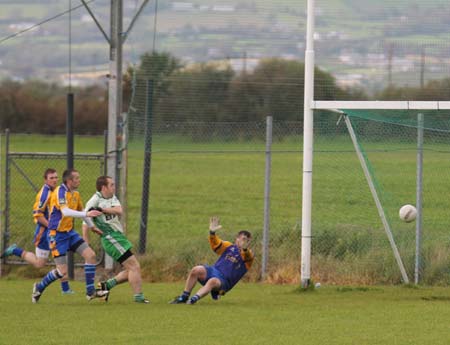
{"points": [[117, 125]]}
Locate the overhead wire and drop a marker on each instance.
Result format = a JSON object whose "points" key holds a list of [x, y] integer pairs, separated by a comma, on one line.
{"points": [[70, 46], [4, 39]]}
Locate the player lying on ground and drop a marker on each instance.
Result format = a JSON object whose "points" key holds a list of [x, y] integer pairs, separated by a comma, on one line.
{"points": [[40, 214], [113, 240], [234, 261]]}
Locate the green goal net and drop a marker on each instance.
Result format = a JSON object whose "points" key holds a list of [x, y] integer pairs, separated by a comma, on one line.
{"points": [[349, 240]]}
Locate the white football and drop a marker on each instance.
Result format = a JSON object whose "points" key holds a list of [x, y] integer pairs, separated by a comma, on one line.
{"points": [[407, 213]]}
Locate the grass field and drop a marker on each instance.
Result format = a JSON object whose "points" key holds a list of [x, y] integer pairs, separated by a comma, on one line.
{"points": [[251, 314]]}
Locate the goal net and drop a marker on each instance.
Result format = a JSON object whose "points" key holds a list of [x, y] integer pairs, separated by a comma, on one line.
{"points": [[405, 157]]}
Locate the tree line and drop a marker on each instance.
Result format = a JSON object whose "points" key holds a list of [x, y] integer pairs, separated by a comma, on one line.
{"points": [[204, 92]]}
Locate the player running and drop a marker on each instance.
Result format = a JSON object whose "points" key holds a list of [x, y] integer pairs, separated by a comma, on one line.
{"points": [[65, 205], [40, 241], [113, 240], [234, 261]]}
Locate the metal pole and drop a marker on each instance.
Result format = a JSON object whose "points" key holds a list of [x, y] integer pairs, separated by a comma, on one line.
{"points": [[1, 210], [123, 164], [114, 98], [265, 249], [373, 190], [419, 188], [105, 153], [147, 166], [7, 194], [115, 87], [308, 123], [69, 130], [70, 146]]}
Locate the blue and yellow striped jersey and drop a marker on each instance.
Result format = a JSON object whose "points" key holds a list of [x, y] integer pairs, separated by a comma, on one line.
{"points": [[60, 198], [233, 262], [41, 204]]}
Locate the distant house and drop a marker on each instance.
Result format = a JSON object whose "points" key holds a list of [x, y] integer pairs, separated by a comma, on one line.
{"points": [[183, 6], [223, 8], [349, 80], [22, 26], [86, 18], [83, 78]]}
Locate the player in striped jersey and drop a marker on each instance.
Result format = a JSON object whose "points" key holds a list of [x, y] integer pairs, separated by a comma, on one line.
{"points": [[234, 261], [113, 240], [65, 205], [40, 240]]}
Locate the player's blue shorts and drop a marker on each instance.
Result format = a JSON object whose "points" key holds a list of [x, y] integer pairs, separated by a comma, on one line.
{"points": [[61, 242], [40, 239], [212, 272]]}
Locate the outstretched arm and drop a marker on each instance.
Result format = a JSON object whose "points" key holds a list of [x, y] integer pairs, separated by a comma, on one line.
{"points": [[217, 245], [68, 212]]}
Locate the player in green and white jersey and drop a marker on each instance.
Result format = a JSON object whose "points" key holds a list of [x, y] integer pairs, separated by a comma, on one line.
{"points": [[113, 240]]}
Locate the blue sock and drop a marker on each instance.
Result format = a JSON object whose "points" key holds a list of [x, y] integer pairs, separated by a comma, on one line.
{"points": [[18, 252], [185, 295], [195, 298], [89, 274], [48, 279], [65, 286]]}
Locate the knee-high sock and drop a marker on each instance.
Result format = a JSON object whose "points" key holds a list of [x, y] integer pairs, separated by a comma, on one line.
{"points": [[48, 279], [89, 273]]}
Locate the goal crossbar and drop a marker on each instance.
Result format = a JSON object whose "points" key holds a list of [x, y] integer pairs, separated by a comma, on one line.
{"points": [[395, 105]]}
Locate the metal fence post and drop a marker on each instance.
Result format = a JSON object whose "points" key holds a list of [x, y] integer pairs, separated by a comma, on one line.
{"points": [[1, 198], [419, 179], [7, 194], [69, 134], [147, 166], [265, 247]]}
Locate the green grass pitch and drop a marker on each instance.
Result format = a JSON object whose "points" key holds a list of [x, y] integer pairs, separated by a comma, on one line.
{"points": [[250, 314]]}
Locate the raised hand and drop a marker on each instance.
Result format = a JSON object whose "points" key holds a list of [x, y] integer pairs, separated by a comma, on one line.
{"points": [[214, 224]]}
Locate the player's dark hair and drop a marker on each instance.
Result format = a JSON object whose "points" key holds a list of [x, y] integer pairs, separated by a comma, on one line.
{"points": [[245, 233], [102, 181], [49, 171], [67, 174]]}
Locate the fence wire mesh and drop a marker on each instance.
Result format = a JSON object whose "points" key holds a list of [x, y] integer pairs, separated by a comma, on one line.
{"points": [[23, 177], [196, 175]]}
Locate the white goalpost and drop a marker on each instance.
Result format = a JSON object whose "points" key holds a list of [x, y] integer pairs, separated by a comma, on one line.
{"points": [[309, 106]]}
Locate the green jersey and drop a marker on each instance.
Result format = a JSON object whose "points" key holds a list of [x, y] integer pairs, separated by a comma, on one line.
{"points": [[111, 220]]}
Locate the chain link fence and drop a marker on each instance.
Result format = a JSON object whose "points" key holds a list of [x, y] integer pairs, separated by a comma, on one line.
{"points": [[200, 169], [23, 177], [195, 175]]}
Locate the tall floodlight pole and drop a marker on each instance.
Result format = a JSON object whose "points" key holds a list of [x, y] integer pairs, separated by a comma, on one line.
{"points": [[307, 148]]}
